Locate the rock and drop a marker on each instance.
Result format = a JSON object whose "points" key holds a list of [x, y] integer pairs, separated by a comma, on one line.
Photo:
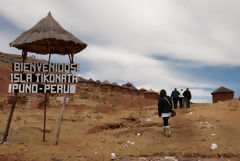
{"points": [[170, 159], [142, 159], [214, 146], [20, 142], [209, 126], [129, 142], [113, 156], [213, 134], [148, 119], [138, 134], [157, 159], [56, 159], [80, 157]]}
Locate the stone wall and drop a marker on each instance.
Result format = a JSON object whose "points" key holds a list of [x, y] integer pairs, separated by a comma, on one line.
{"points": [[216, 97]]}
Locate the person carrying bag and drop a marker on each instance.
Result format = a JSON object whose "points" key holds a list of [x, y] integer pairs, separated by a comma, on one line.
{"points": [[165, 111]]}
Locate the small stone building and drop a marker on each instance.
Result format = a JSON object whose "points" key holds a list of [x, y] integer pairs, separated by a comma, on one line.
{"points": [[222, 94]]}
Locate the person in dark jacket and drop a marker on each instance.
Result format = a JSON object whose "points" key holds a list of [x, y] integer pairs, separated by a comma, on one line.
{"points": [[164, 111], [187, 97], [175, 94]]}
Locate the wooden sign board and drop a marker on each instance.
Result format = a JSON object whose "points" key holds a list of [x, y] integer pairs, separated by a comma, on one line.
{"points": [[43, 78]]}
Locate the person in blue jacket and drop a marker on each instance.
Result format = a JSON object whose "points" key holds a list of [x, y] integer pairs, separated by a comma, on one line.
{"points": [[175, 95], [164, 111]]}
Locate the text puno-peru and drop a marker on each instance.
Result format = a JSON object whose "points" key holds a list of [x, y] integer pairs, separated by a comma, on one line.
{"points": [[45, 67], [44, 78], [41, 88]]}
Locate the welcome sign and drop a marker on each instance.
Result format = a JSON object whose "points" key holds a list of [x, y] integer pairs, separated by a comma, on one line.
{"points": [[43, 78]]}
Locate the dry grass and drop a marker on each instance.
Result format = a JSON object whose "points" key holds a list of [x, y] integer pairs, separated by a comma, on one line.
{"points": [[95, 131]]}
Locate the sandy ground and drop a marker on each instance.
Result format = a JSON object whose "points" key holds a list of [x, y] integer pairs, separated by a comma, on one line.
{"points": [[92, 131]]}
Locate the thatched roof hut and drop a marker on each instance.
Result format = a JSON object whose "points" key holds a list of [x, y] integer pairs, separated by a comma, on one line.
{"points": [[142, 90], [151, 94], [114, 84], [222, 94], [98, 81], [91, 81], [48, 36], [81, 79], [106, 82], [151, 91], [129, 86]]}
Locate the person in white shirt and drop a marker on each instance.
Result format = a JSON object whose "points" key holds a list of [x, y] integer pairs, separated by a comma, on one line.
{"points": [[181, 98]]}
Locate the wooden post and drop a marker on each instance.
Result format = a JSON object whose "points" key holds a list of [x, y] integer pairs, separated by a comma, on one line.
{"points": [[24, 56], [45, 107], [10, 118], [45, 112], [62, 111], [60, 119]]}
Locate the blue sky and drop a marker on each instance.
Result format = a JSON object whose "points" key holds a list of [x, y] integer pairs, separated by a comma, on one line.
{"points": [[158, 44]]}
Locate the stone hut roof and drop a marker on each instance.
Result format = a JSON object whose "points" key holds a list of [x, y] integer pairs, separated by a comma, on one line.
{"points": [[222, 90], [129, 86]]}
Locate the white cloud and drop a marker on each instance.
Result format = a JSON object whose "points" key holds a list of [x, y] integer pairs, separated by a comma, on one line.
{"points": [[203, 100], [122, 65], [5, 39], [201, 92]]}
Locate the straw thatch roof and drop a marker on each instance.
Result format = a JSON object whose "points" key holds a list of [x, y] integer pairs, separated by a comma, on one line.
{"points": [[129, 86], [106, 82], [47, 36], [91, 81], [115, 84], [81, 79], [98, 81], [151, 91], [222, 90], [142, 89]]}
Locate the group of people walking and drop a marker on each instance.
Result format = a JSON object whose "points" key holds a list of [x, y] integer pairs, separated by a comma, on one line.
{"points": [[165, 105], [181, 97]]}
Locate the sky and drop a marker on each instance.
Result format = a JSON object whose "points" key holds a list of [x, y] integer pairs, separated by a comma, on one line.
{"points": [[158, 44]]}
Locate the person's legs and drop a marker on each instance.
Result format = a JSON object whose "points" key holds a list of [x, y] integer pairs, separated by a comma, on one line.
{"points": [[187, 103], [165, 121], [181, 102], [166, 131], [175, 101]]}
